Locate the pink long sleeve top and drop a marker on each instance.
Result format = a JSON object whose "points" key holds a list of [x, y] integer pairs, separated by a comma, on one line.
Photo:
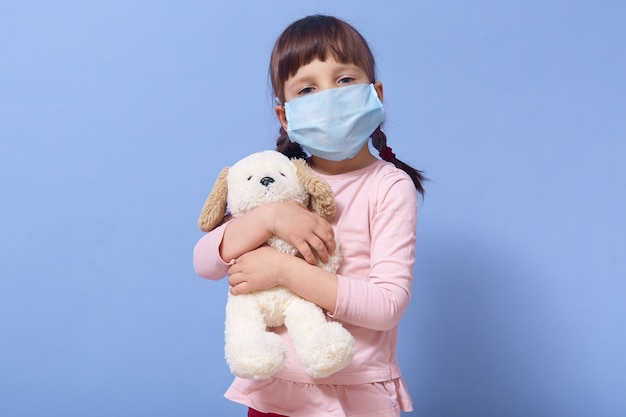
{"points": [[376, 226]]}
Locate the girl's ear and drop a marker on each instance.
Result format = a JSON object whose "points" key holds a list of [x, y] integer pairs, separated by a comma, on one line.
{"points": [[378, 86], [214, 208], [281, 115]]}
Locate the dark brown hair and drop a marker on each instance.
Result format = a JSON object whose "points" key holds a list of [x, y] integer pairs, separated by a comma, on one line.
{"points": [[318, 37]]}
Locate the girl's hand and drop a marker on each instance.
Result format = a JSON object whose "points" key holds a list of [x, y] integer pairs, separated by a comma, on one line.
{"points": [[265, 267], [290, 221], [305, 230], [259, 269]]}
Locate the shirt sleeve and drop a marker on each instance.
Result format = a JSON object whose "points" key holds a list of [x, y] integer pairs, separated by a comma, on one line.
{"points": [[379, 301], [206, 255]]}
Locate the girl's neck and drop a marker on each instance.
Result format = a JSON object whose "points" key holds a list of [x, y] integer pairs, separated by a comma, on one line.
{"points": [[361, 160]]}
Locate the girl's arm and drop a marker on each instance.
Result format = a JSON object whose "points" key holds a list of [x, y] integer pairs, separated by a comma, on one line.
{"points": [[207, 260], [376, 301], [379, 300], [266, 267], [290, 221]]}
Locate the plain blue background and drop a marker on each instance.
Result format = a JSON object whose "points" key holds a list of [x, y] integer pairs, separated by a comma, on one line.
{"points": [[116, 117]]}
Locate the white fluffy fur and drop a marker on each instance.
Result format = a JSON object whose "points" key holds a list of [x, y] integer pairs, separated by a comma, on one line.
{"points": [[323, 347]]}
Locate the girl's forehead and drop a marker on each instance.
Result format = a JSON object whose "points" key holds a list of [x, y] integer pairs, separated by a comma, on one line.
{"points": [[329, 65]]}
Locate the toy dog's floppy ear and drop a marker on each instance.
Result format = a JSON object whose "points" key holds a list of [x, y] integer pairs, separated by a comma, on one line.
{"points": [[214, 207], [322, 199]]}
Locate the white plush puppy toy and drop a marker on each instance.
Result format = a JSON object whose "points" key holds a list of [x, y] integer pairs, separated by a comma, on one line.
{"points": [[252, 351]]}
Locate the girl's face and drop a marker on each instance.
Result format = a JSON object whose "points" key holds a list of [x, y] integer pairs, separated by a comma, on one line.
{"points": [[319, 75]]}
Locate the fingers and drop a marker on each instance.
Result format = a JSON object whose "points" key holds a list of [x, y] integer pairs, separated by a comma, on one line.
{"points": [[235, 280], [323, 246], [232, 278], [240, 289], [315, 240], [314, 246], [255, 270], [305, 230], [302, 246]]}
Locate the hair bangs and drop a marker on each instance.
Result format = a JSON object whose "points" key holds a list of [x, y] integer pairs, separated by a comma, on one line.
{"points": [[317, 37]]}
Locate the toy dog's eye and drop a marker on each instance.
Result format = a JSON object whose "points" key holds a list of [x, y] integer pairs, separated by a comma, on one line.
{"points": [[282, 174], [250, 177]]}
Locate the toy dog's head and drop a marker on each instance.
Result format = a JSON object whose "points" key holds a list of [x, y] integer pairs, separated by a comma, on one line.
{"points": [[261, 178]]}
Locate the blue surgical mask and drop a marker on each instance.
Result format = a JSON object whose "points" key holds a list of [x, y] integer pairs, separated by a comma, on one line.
{"points": [[334, 124]]}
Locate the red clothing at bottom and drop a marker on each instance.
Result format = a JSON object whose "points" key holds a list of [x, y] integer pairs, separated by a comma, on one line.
{"points": [[254, 413]]}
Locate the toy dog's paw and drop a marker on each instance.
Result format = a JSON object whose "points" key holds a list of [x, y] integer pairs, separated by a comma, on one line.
{"points": [[256, 358], [331, 350]]}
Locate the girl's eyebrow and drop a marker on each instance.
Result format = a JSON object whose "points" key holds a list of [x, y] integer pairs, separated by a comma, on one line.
{"points": [[303, 78], [336, 71], [297, 81]]}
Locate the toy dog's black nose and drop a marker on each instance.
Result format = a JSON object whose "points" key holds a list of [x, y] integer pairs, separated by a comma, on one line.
{"points": [[267, 181]]}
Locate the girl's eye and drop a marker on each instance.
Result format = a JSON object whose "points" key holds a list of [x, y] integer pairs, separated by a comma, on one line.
{"points": [[345, 80], [306, 90]]}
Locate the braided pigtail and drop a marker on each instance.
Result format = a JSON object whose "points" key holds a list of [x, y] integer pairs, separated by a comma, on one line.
{"points": [[287, 147], [379, 141]]}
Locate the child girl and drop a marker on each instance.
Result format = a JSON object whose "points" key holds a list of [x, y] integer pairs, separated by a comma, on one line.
{"points": [[329, 105]]}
